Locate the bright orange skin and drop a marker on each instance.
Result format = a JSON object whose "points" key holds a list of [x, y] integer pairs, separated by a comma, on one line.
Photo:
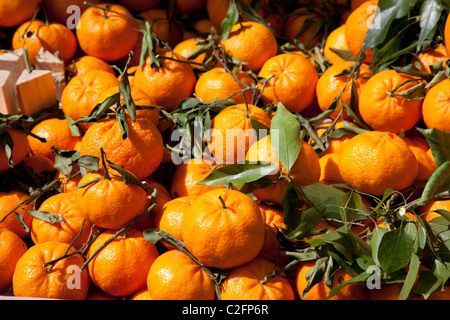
{"points": [[237, 229], [168, 84], [81, 93], [447, 34], [427, 211], [244, 283], [356, 27], [186, 176], [64, 207], [419, 146], [99, 32], [329, 168], [432, 56], [252, 43], [335, 40], [170, 217], [12, 247], [56, 37], [436, 106], [88, 63], [141, 153], [19, 150], [320, 291], [13, 13], [142, 294], [121, 267], [176, 276], [26, 36], [374, 161], [32, 279], [294, 83], [329, 86], [232, 131], [217, 83], [262, 151], [56, 132], [121, 202], [8, 202], [383, 112], [186, 47]]}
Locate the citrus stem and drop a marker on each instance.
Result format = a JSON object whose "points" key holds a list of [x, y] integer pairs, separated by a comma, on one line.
{"points": [[224, 206], [276, 273], [392, 93], [103, 157]]}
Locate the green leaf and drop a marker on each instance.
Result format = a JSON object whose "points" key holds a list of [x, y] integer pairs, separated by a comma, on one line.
{"points": [[148, 47], [358, 278], [125, 90], [395, 250], [430, 13], [437, 183], [230, 20], [349, 204], [292, 208], [285, 137], [239, 173], [377, 235], [439, 141], [315, 275], [411, 277], [44, 216], [389, 10]]}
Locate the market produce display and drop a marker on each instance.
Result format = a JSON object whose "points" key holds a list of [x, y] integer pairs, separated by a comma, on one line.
{"points": [[225, 150]]}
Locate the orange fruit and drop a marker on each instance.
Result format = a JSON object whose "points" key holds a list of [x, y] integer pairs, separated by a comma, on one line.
{"points": [[69, 182], [419, 146], [138, 5], [232, 131], [187, 175], [293, 81], [61, 12], [383, 111], [140, 98], [335, 40], [334, 144], [100, 30], [168, 84], [56, 132], [189, 6], [374, 161], [140, 153], [32, 279], [186, 47], [262, 151], [141, 295], [329, 168], [8, 202], [356, 27], [70, 217], [176, 276], [329, 87], [431, 57], [19, 151], [428, 211], [121, 202], [223, 228], [252, 43], [27, 36], [244, 283], [296, 23], [39, 164], [170, 217], [436, 108], [88, 63], [55, 37], [217, 83], [199, 28], [13, 13], [121, 266], [81, 93], [320, 291], [12, 247], [447, 34], [162, 26], [273, 219]]}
